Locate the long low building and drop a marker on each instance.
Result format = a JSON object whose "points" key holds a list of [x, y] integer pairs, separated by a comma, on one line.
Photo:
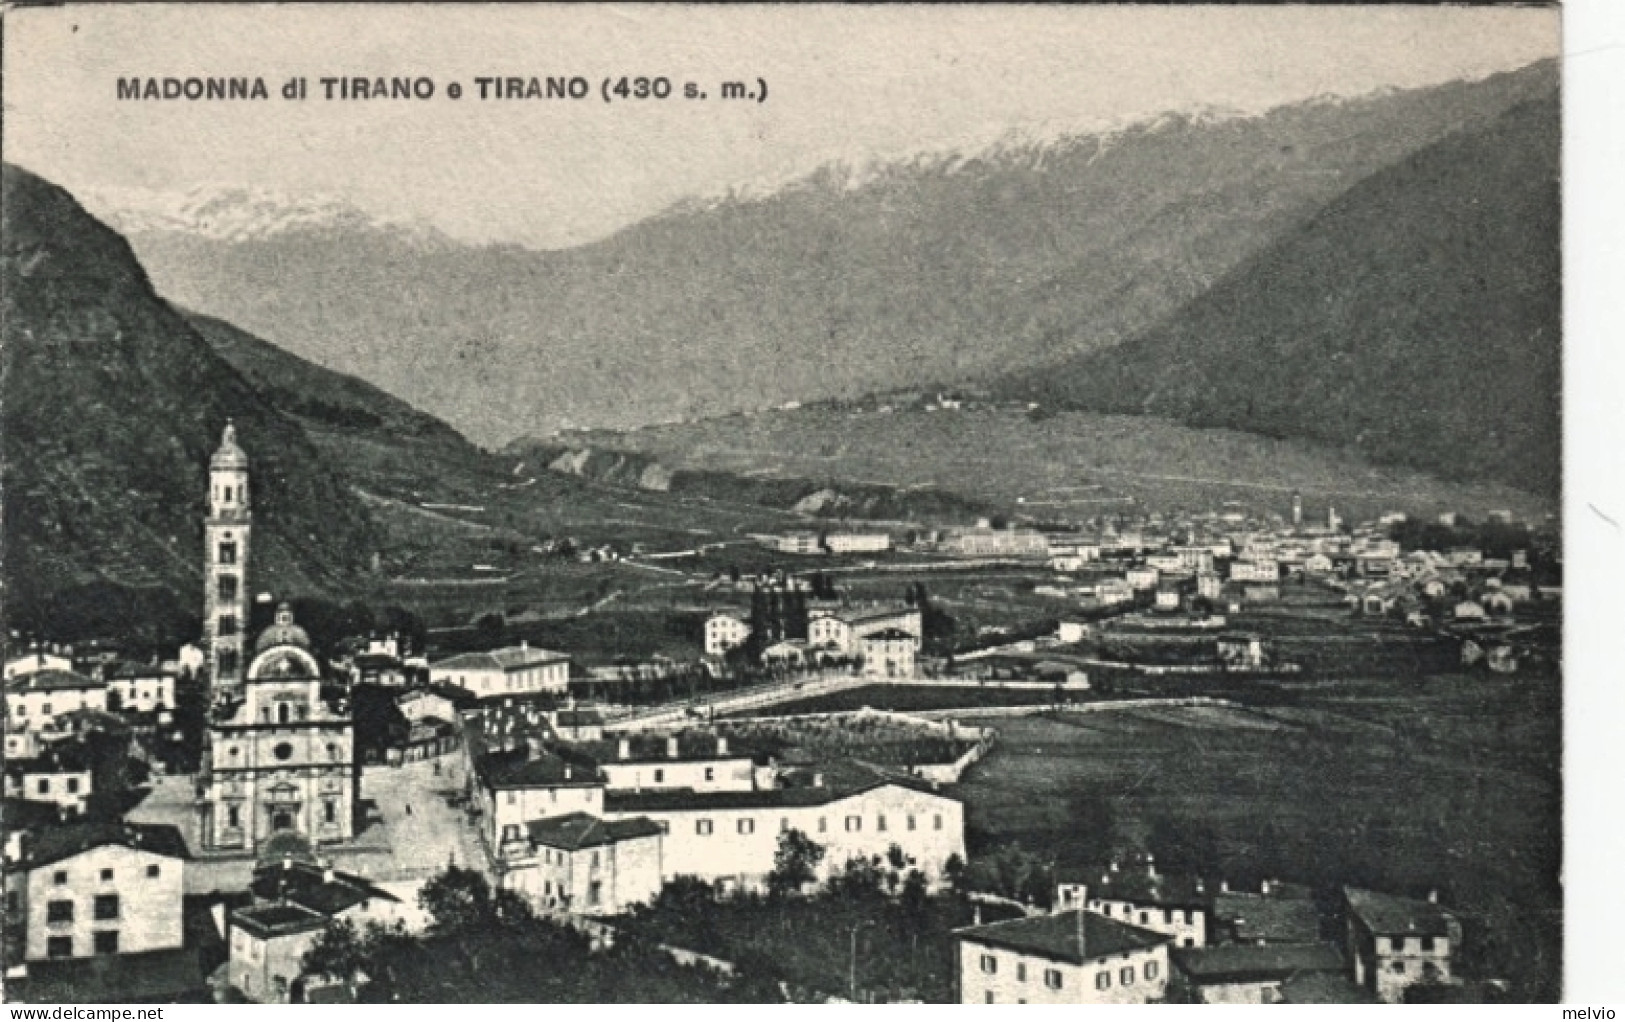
{"points": [[730, 837]]}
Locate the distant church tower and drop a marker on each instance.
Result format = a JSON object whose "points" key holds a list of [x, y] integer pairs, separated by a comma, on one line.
{"points": [[225, 559], [1297, 510]]}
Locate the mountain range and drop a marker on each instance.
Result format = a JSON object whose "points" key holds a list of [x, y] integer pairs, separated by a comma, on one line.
{"points": [[942, 269], [1414, 318]]}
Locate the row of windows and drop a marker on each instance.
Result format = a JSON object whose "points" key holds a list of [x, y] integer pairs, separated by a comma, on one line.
{"points": [[60, 877], [853, 824], [1054, 979], [1169, 915], [106, 906], [1401, 944], [103, 942], [44, 786]]}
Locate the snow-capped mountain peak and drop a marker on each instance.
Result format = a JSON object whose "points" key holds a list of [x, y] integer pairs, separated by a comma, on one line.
{"points": [[234, 213]]}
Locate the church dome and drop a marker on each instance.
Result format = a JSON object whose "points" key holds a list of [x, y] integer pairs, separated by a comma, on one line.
{"points": [[283, 633], [229, 455]]}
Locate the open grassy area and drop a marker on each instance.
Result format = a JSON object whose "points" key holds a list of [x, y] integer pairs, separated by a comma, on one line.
{"points": [[1444, 781]]}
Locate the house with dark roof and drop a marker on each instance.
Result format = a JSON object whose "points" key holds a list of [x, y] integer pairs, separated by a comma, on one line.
{"points": [[583, 863], [512, 670], [87, 890], [1070, 957], [62, 775], [889, 653], [294, 901], [530, 782], [1277, 913], [1398, 942], [1246, 973], [1174, 905], [139, 688]]}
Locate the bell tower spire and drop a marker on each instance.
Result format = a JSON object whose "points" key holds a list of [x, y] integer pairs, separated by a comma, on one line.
{"points": [[225, 560]]}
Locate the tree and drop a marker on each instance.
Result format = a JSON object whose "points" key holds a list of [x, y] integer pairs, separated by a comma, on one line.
{"points": [[458, 899], [339, 953], [795, 863]]}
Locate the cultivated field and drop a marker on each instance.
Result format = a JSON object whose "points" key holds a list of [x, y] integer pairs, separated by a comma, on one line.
{"points": [[1444, 781]]}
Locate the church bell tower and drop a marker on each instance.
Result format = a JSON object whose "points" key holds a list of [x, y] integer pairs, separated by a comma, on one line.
{"points": [[225, 560]]}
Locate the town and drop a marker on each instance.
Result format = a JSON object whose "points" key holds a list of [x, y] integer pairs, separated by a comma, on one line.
{"points": [[824, 785]]}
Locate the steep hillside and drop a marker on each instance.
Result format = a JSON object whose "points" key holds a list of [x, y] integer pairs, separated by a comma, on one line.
{"points": [[943, 268], [1416, 318], [113, 405], [377, 442]]}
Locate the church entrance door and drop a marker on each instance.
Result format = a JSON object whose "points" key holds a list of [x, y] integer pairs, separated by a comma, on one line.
{"points": [[282, 820]]}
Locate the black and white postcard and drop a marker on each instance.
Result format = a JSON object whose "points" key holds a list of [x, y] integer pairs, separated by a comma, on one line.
{"points": [[770, 504]]}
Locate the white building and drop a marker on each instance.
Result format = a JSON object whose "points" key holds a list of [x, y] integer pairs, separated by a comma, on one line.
{"points": [[1255, 571], [512, 670], [696, 760], [59, 776], [1071, 957], [38, 660], [1176, 907], [1144, 577], [91, 889], [996, 543], [580, 863], [530, 783], [730, 838], [889, 654], [34, 700], [295, 903], [857, 542], [141, 688], [281, 756], [724, 632], [1397, 943]]}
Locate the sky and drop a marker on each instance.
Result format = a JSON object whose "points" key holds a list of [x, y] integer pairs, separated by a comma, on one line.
{"points": [[851, 84]]}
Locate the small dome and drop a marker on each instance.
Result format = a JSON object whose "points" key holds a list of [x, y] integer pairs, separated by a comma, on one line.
{"points": [[283, 633], [229, 455]]}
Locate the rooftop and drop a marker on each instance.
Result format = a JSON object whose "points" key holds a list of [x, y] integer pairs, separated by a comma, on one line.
{"points": [[311, 887], [655, 748], [583, 830], [148, 977], [52, 680], [1389, 914], [1240, 963], [277, 920], [1323, 988], [1287, 916], [1143, 887], [129, 669], [59, 843], [683, 799], [1076, 936], [509, 658], [544, 769]]}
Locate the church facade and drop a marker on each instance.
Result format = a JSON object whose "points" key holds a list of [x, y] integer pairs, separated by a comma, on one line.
{"points": [[280, 755]]}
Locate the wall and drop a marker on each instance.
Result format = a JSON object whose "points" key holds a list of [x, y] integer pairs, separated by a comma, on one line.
{"points": [[28, 710], [149, 907], [515, 807], [1077, 981], [745, 857], [725, 774]]}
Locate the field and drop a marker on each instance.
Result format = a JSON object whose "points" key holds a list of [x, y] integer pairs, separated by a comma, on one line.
{"points": [[1445, 781], [1072, 465]]}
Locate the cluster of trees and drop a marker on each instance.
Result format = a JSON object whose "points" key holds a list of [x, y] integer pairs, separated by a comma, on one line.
{"points": [[871, 930], [488, 946]]}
